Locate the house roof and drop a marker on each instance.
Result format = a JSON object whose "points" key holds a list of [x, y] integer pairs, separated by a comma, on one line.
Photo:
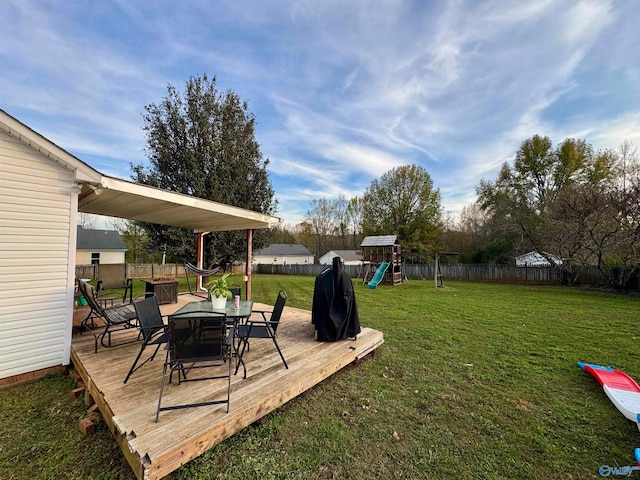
{"points": [[104, 195], [89, 239], [379, 241], [285, 249]]}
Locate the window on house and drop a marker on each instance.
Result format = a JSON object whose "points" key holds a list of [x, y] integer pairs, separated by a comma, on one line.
{"points": [[275, 259], [95, 258]]}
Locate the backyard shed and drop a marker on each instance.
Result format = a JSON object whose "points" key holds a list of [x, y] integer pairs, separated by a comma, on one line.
{"points": [[42, 189]]}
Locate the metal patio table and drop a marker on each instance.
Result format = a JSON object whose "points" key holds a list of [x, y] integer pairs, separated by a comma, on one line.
{"points": [[234, 315]]}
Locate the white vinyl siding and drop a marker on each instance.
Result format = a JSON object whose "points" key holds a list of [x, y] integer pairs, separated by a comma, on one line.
{"points": [[285, 260], [110, 257], [36, 211], [106, 257]]}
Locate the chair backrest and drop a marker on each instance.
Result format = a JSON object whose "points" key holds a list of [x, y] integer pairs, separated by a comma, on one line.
{"points": [[149, 316], [277, 309], [235, 290], [88, 292], [197, 337]]}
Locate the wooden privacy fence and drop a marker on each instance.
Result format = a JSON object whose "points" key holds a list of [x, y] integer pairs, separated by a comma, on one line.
{"points": [[116, 273], [475, 273]]}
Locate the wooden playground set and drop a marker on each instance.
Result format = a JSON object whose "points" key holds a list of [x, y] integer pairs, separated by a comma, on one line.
{"points": [[382, 261]]}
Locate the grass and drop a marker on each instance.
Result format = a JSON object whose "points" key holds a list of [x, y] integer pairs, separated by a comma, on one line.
{"points": [[474, 381]]}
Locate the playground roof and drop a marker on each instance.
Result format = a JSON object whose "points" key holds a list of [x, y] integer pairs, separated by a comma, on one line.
{"points": [[379, 241]]}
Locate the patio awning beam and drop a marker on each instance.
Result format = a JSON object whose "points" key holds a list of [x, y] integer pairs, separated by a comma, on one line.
{"points": [[119, 198]]}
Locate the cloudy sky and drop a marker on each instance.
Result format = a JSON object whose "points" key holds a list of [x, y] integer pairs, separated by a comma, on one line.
{"points": [[342, 90]]}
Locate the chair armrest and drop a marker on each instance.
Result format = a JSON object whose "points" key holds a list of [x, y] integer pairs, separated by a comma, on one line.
{"points": [[260, 322], [261, 312], [158, 327]]}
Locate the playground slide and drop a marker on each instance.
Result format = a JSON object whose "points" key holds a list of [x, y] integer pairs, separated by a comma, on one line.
{"points": [[621, 389], [377, 278]]}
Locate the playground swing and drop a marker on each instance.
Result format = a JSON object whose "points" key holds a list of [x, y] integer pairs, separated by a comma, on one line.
{"points": [[438, 278]]}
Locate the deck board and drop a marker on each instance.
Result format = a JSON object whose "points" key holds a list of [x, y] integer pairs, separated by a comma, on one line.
{"points": [[154, 450]]}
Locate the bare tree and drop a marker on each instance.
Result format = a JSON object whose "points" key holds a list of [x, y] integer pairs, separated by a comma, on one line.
{"points": [[120, 225], [322, 217], [354, 215], [628, 159], [87, 221], [341, 219]]}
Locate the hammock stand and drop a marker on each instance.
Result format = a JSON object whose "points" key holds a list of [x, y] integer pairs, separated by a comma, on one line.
{"points": [[199, 272]]}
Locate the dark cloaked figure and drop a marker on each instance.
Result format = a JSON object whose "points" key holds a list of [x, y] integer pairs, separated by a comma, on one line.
{"points": [[334, 311]]}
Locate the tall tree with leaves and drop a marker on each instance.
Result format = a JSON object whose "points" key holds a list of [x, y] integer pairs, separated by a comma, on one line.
{"points": [[202, 142], [572, 201], [405, 203], [520, 199]]}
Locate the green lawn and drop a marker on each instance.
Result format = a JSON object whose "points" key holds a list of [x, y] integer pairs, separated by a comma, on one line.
{"points": [[478, 381]]}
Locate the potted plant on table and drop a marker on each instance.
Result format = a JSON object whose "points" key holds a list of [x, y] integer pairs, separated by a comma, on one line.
{"points": [[219, 290]]}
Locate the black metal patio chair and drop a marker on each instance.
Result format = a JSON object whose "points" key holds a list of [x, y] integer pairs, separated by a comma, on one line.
{"points": [[126, 287], [197, 340], [115, 318], [262, 328], [235, 289], [152, 329]]}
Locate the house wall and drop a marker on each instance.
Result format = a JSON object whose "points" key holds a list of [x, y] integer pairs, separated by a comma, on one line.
{"points": [[38, 211], [83, 257], [283, 260]]}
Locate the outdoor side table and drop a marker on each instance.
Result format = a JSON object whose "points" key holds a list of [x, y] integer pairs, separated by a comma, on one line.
{"points": [[165, 289]]}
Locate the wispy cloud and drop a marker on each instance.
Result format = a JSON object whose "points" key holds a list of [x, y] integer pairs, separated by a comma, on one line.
{"points": [[342, 91]]}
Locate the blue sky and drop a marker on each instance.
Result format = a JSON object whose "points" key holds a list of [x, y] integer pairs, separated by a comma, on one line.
{"points": [[342, 91]]}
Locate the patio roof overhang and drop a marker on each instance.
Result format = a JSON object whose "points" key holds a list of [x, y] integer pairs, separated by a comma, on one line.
{"points": [[120, 198], [114, 197]]}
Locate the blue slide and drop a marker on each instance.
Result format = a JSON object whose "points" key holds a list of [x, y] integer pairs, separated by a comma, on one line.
{"points": [[377, 278]]}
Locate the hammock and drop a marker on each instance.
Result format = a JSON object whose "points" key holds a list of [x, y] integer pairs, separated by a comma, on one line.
{"points": [[199, 272]]}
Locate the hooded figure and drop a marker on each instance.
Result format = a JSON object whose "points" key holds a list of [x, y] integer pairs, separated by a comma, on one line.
{"points": [[334, 312]]}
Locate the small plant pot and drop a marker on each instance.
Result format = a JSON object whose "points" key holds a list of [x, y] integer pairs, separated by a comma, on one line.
{"points": [[218, 302]]}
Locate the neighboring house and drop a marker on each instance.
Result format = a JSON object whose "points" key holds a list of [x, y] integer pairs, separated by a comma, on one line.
{"points": [[349, 257], [535, 259], [42, 189], [99, 246], [283, 254]]}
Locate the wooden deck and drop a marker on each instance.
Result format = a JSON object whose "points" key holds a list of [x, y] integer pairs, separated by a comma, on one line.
{"points": [[156, 449]]}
